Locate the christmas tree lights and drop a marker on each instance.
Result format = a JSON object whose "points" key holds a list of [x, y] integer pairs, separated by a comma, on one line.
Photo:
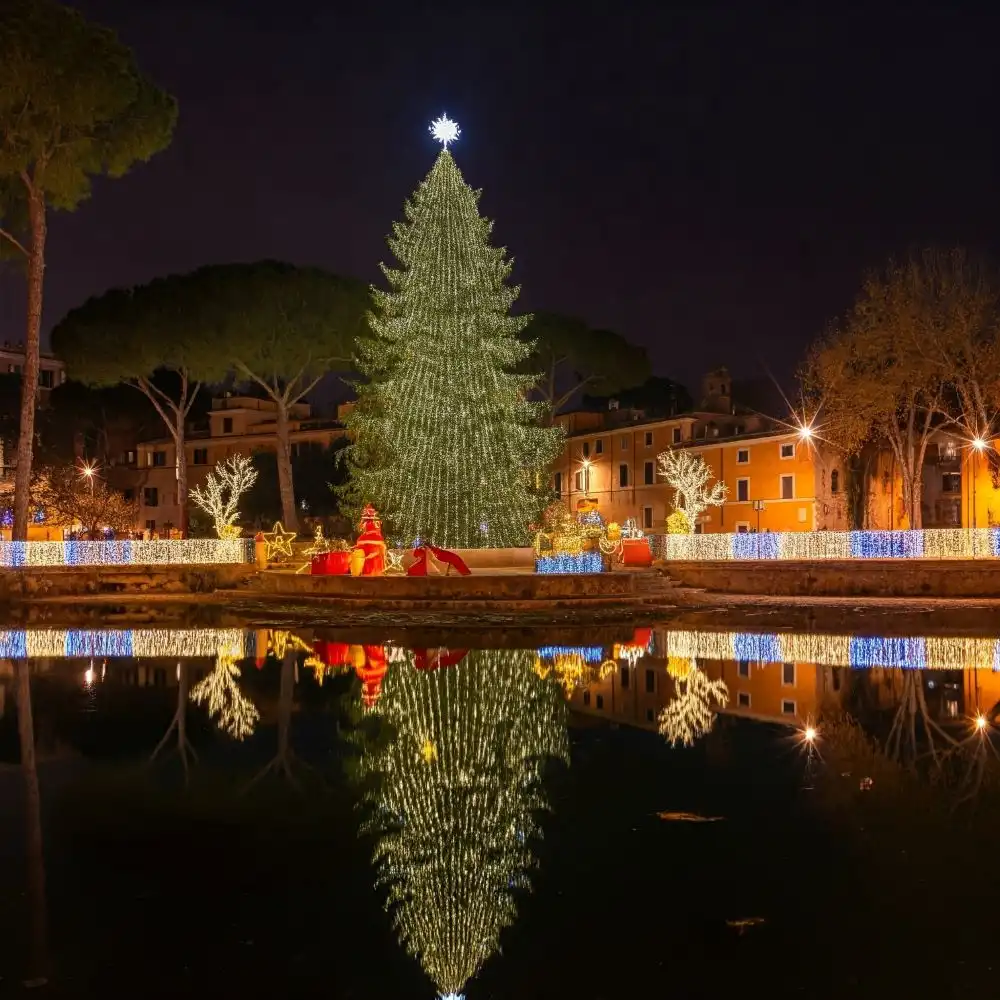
{"points": [[446, 444], [459, 789], [221, 494]]}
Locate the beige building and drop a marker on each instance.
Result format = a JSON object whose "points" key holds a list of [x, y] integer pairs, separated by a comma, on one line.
{"points": [[237, 425], [51, 371]]}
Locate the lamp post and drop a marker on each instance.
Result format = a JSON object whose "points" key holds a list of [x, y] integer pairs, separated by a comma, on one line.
{"points": [[87, 471], [978, 445], [758, 505], [586, 476]]}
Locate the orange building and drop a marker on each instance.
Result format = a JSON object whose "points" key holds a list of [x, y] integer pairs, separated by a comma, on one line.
{"points": [[238, 425]]}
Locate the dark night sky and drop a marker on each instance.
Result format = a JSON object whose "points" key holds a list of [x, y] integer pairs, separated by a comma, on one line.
{"points": [[712, 185]]}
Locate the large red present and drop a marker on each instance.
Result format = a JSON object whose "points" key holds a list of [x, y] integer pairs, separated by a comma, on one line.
{"points": [[636, 552], [331, 563]]}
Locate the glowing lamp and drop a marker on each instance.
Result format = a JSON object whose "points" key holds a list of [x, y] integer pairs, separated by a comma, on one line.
{"points": [[806, 433], [978, 443]]}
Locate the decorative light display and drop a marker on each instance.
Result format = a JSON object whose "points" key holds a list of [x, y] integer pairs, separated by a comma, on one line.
{"points": [[232, 711], [444, 130], [856, 652], [445, 440], [220, 496], [394, 562], [278, 542], [565, 562], [135, 643], [320, 545], [459, 790], [926, 543], [689, 474], [691, 712], [162, 552]]}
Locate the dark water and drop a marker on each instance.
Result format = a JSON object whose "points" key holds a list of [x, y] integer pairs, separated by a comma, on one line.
{"points": [[586, 813]]}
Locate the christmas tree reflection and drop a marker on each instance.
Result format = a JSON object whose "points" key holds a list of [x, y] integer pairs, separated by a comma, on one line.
{"points": [[458, 794]]}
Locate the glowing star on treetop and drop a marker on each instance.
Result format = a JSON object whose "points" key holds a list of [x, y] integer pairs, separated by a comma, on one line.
{"points": [[444, 130]]}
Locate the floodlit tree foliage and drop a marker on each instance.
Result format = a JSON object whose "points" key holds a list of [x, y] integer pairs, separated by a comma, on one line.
{"points": [[689, 475], [572, 359], [917, 351], [220, 497], [73, 105], [68, 498]]}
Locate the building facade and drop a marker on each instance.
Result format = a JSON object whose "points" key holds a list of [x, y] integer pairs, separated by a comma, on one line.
{"points": [[237, 425]]}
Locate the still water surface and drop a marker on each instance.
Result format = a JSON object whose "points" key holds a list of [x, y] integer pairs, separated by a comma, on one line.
{"points": [[593, 814]]}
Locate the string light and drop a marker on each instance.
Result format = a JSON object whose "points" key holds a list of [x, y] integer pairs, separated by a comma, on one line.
{"points": [[459, 791], [187, 551], [926, 543], [220, 496], [134, 643], [689, 474], [278, 542], [569, 562], [445, 440], [690, 714], [856, 652], [234, 713]]}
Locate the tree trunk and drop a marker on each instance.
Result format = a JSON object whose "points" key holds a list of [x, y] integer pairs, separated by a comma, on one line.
{"points": [[180, 463], [289, 515], [38, 945], [29, 377]]}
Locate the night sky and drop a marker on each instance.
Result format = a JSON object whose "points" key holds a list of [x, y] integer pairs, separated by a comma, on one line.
{"points": [[712, 185]]}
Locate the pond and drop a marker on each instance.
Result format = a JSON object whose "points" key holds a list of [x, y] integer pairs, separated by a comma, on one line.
{"points": [[657, 809]]}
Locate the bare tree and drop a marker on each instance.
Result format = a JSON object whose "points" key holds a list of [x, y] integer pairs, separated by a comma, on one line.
{"points": [[69, 498], [285, 757], [235, 714], [178, 724], [221, 496], [691, 713]]}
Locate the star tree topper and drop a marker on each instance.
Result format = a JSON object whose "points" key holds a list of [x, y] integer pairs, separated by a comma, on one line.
{"points": [[444, 130]]}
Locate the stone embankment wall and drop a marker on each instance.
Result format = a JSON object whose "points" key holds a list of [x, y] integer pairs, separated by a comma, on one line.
{"points": [[954, 578], [73, 581]]}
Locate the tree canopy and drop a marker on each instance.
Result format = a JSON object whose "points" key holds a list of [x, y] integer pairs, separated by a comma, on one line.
{"points": [[570, 358]]}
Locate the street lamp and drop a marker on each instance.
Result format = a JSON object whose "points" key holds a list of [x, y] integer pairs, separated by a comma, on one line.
{"points": [[586, 476], [87, 471], [978, 446], [805, 432]]}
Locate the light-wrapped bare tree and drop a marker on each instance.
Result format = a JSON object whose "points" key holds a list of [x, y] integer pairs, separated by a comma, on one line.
{"points": [[689, 475], [221, 496]]}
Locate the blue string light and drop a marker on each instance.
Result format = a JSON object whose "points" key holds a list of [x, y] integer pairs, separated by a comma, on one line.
{"points": [[564, 562], [885, 651], [747, 545], [763, 648], [589, 654]]}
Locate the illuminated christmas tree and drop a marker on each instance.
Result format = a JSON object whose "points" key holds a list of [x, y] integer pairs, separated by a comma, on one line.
{"points": [[447, 446], [458, 791]]}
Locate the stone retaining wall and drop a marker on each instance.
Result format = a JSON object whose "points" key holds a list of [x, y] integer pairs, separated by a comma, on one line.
{"points": [[842, 578]]}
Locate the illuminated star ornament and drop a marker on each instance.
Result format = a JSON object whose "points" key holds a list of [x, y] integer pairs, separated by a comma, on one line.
{"points": [[444, 130], [278, 542]]}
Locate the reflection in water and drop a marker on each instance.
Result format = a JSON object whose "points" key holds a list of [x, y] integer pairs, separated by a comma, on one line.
{"points": [[691, 712], [233, 711], [458, 791]]}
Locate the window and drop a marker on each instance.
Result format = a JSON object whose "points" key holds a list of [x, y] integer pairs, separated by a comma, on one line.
{"points": [[227, 425], [742, 490], [586, 449], [586, 697], [948, 451], [128, 496], [557, 483], [599, 446], [624, 442], [45, 379], [159, 458], [951, 482], [650, 682], [951, 708], [649, 439], [623, 675], [623, 475], [578, 481], [675, 435], [201, 456], [788, 674], [649, 715], [742, 456], [742, 527], [787, 707], [600, 701], [647, 474], [151, 496], [129, 457], [835, 481], [787, 487], [151, 525], [788, 450], [647, 517], [743, 668], [743, 699]]}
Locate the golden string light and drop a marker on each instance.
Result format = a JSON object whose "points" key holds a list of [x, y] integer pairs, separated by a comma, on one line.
{"points": [[691, 712], [220, 496], [233, 712], [460, 788], [446, 442], [159, 552]]}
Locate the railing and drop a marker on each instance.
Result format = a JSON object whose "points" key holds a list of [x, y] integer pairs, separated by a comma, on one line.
{"points": [[163, 552], [856, 651], [928, 543], [138, 643]]}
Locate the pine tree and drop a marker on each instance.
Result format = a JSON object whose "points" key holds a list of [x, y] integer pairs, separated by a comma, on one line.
{"points": [[457, 795], [447, 446]]}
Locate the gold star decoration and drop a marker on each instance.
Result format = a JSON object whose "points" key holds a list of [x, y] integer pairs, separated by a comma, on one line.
{"points": [[429, 751], [394, 562], [278, 542]]}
